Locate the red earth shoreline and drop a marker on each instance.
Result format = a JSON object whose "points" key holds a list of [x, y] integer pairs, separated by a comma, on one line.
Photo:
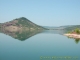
{"points": [[73, 35]]}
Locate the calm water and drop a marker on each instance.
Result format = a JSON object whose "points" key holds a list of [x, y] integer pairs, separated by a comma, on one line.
{"points": [[48, 45]]}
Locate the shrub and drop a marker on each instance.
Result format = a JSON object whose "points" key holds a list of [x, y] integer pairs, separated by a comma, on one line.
{"points": [[77, 30]]}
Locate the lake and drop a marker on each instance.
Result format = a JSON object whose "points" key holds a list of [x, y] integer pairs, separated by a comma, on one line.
{"points": [[47, 45]]}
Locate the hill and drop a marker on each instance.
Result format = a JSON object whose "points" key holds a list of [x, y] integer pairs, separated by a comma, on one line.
{"points": [[21, 23], [70, 28]]}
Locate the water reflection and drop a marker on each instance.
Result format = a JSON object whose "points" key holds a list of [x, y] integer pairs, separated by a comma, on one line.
{"points": [[24, 35], [77, 40], [21, 35], [54, 31]]}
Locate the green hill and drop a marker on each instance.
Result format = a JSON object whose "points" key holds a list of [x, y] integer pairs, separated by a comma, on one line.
{"points": [[70, 28], [21, 23]]}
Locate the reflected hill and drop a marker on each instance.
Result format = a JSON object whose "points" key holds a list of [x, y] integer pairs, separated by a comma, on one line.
{"points": [[21, 35], [61, 32]]}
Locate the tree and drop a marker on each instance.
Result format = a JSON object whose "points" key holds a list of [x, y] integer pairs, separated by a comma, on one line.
{"points": [[77, 30]]}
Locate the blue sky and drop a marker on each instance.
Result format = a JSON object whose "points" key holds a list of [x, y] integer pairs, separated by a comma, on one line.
{"points": [[42, 12]]}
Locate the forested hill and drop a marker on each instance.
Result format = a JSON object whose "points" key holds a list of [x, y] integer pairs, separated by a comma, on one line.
{"points": [[72, 27]]}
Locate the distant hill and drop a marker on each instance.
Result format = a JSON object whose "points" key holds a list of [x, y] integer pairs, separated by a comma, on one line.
{"points": [[23, 23], [55, 28], [19, 24], [72, 27], [49, 27], [66, 27]]}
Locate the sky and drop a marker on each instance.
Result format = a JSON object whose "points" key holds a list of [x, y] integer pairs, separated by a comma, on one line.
{"points": [[42, 12]]}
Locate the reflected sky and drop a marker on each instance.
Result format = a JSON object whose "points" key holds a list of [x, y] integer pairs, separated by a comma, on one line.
{"points": [[36, 46]]}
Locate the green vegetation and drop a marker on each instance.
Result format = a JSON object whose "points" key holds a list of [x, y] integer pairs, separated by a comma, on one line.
{"points": [[70, 28], [0, 25], [75, 31], [24, 22]]}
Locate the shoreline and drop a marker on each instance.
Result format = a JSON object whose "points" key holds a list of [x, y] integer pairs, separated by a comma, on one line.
{"points": [[73, 35]]}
